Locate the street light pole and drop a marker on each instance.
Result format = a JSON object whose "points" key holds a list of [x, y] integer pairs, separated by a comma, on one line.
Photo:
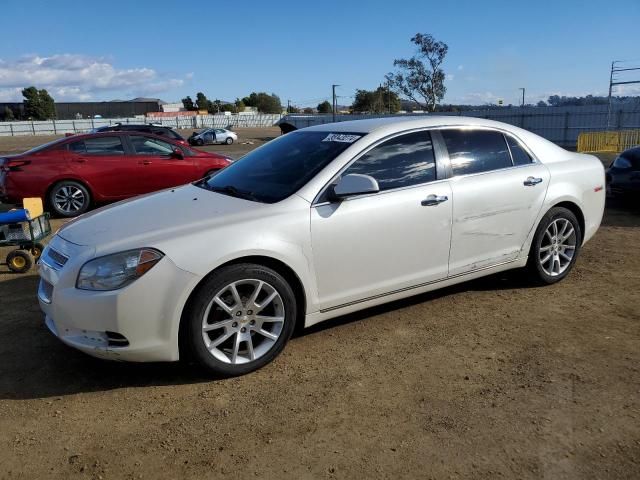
{"points": [[522, 95], [335, 103]]}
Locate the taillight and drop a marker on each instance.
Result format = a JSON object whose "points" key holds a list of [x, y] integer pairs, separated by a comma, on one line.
{"points": [[14, 165]]}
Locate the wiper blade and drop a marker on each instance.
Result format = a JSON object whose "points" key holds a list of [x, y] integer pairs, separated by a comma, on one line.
{"points": [[234, 192]]}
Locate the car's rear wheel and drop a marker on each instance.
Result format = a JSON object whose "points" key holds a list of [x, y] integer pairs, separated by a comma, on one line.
{"points": [[555, 246], [199, 142], [69, 198], [229, 141], [239, 319]]}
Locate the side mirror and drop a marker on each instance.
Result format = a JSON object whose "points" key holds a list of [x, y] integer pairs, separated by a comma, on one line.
{"points": [[177, 153], [353, 184]]}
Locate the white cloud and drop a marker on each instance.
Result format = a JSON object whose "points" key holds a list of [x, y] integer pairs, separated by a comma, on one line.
{"points": [[460, 67], [450, 76], [79, 77]]}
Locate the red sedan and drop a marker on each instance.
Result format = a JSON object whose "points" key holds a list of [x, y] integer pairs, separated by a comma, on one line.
{"points": [[73, 173]]}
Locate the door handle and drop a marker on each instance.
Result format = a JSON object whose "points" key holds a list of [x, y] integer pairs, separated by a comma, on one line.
{"points": [[433, 200], [531, 181]]}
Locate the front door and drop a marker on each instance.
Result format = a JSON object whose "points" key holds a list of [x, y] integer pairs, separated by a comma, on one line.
{"points": [[161, 168], [498, 190], [376, 244]]}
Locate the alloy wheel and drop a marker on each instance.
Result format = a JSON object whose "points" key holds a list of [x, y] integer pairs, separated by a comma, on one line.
{"points": [[558, 246], [243, 321], [69, 199]]}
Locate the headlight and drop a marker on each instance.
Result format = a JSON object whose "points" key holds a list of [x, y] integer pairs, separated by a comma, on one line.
{"points": [[117, 270]]}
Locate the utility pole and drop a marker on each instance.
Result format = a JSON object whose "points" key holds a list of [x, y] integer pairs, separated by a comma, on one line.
{"points": [[335, 102], [389, 95], [522, 95], [288, 106]]}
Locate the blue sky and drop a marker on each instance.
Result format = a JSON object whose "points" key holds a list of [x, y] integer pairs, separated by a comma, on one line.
{"points": [[104, 50]]}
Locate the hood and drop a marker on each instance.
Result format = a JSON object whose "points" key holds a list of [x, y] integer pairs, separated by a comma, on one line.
{"points": [[170, 213]]}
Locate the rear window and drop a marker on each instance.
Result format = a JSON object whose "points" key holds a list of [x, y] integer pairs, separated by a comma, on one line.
{"points": [[476, 151], [518, 153], [98, 146]]}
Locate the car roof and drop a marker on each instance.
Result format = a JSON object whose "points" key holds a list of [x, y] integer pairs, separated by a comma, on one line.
{"points": [[82, 136], [632, 151], [397, 123]]}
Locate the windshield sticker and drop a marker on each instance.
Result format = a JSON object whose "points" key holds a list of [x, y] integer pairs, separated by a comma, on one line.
{"points": [[341, 137]]}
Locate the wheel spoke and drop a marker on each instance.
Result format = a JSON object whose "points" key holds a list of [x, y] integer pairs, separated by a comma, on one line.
{"points": [[545, 249], [252, 355], [566, 236], [263, 319], [220, 339], [236, 295], [545, 259], [266, 301], [236, 347], [567, 257], [266, 334], [222, 305], [254, 296], [217, 325]]}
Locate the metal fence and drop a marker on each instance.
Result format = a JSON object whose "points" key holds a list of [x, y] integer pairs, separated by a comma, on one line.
{"points": [[608, 141], [561, 125], [58, 127]]}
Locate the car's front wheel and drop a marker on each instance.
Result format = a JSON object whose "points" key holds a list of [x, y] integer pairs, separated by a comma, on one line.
{"points": [[555, 246], [229, 141], [239, 319], [69, 198]]}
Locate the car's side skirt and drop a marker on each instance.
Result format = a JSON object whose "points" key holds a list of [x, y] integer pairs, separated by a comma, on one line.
{"points": [[332, 312]]}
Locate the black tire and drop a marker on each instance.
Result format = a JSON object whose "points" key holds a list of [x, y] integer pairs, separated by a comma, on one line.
{"points": [[57, 192], [36, 250], [19, 261], [537, 272], [199, 142], [192, 336], [229, 141]]}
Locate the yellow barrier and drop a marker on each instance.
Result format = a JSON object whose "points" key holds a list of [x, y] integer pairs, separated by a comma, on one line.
{"points": [[608, 141]]}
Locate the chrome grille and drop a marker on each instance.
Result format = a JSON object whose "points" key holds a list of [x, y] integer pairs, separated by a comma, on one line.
{"points": [[57, 259]]}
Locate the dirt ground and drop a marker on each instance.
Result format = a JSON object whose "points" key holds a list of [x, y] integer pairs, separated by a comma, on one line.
{"points": [[488, 379]]}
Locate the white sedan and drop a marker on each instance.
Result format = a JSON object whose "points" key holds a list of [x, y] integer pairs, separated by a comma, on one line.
{"points": [[318, 223]]}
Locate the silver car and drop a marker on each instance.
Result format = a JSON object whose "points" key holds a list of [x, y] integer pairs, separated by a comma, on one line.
{"points": [[212, 136]]}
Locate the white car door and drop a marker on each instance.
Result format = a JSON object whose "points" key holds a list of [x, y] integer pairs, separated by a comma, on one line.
{"points": [[371, 245], [498, 189]]}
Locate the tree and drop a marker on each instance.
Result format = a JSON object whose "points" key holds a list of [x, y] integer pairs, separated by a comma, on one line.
{"points": [[293, 109], [239, 105], [188, 103], [308, 110], [380, 100], [8, 114], [542, 103], [201, 101], [264, 102], [38, 104], [325, 107], [420, 77]]}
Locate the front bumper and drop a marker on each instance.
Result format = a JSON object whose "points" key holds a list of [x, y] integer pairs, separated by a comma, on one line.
{"points": [[145, 313]]}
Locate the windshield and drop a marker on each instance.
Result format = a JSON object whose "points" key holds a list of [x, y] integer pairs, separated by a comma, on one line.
{"points": [[281, 167]]}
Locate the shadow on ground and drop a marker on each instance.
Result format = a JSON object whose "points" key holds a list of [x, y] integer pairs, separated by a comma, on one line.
{"points": [[37, 365]]}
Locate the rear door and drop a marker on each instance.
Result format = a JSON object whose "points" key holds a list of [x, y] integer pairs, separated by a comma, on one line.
{"points": [[161, 168], [498, 190], [103, 164]]}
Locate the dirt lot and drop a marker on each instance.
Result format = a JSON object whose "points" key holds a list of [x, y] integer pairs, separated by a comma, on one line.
{"points": [[489, 379]]}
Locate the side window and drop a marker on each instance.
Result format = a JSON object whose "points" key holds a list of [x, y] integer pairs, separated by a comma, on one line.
{"points": [[150, 146], [519, 154], [77, 147], [104, 146], [475, 151], [400, 162]]}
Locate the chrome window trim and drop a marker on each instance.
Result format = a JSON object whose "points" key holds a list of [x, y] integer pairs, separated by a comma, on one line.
{"points": [[360, 154]]}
